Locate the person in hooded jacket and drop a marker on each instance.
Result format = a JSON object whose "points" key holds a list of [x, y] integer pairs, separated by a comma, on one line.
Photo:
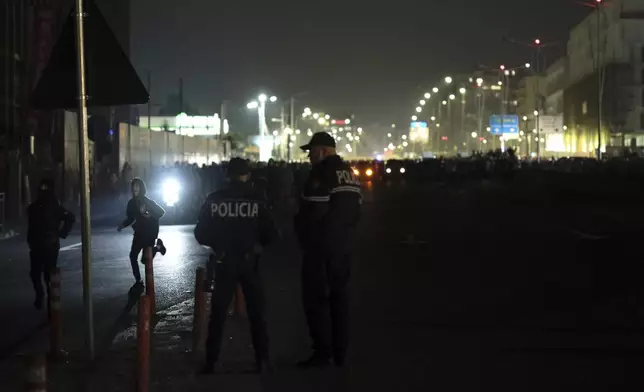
{"points": [[48, 222], [143, 214]]}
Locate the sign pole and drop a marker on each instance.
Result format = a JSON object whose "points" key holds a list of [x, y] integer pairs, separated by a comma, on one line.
{"points": [[84, 174]]}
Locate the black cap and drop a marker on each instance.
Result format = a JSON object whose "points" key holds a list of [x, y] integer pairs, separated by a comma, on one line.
{"points": [[238, 167], [319, 139]]}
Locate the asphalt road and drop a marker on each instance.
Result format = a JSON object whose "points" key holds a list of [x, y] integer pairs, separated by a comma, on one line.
{"points": [[479, 286], [112, 280]]}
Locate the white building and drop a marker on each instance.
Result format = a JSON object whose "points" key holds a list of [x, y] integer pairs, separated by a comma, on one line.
{"points": [[182, 124]]}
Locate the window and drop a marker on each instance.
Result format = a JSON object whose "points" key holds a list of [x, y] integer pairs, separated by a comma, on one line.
{"points": [[584, 107]]}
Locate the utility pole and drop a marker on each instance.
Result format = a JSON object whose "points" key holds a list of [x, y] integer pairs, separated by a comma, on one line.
{"points": [[83, 146], [292, 122], [222, 128], [180, 95], [150, 100], [283, 131], [538, 95], [599, 83]]}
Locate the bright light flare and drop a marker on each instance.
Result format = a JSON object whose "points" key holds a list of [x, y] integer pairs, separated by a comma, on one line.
{"points": [[262, 98], [252, 105], [402, 170], [273, 99], [171, 189], [369, 172]]}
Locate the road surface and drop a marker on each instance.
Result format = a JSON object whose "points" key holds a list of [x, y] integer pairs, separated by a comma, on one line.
{"points": [[472, 287]]}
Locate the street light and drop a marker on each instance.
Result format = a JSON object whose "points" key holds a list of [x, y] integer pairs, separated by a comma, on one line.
{"points": [[419, 109], [462, 90], [432, 118], [448, 79], [423, 102], [474, 135], [444, 103], [262, 98], [536, 113], [479, 81], [452, 97], [273, 98], [428, 95], [252, 105], [393, 125], [435, 90], [414, 118], [389, 135]]}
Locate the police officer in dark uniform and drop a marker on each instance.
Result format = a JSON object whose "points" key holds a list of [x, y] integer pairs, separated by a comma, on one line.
{"points": [[326, 227], [236, 224], [48, 222]]}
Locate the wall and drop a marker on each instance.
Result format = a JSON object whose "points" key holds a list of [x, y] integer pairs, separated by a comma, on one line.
{"points": [[143, 148]]}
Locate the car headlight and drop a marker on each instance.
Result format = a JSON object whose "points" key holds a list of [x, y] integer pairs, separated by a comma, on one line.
{"points": [[369, 172], [356, 172], [388, 170], [171, 190], [402, 170]]}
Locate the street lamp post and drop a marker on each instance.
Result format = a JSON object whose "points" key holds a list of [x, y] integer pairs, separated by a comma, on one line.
{"points": [[462, 91], [260, 105]]}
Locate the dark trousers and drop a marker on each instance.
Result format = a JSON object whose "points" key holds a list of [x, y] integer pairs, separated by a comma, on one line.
{"points": [[139, 243], [227, 276], [325, 295], [43, 261]]}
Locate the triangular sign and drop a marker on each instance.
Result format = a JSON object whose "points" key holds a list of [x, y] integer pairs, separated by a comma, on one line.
{"points": [[110, 78]]}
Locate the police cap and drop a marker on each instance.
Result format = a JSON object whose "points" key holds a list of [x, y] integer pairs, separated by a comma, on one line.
{"points": [[319, 139], [238, 167]]}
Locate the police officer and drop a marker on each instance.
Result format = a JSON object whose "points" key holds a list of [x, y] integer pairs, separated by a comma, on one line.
{"points": [[236, 223], [48, 222], [326, 227]]}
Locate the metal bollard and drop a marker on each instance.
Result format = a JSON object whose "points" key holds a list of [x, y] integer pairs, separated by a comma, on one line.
{"points": [[143, 345], [36, 380], [199, 310], [240, 302], [55, 319], [149, 279]]}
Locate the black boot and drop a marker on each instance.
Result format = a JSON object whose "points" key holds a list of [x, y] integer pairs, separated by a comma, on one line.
{"points": [[160, 247]]}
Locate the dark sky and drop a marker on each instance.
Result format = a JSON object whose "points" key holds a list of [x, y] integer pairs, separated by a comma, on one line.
{"points": [[370, 58]]}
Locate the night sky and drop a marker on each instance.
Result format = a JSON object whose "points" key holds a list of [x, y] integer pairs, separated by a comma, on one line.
{"points": [[366, 58]]}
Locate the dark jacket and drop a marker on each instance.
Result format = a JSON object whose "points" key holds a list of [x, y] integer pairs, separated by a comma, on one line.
{"points": [[48, 221], [232, 221], [137, 207], [329, 207]]}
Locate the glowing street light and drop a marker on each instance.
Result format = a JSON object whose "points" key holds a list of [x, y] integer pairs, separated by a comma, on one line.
{"points": [[538, 41], [527, 65], [422, 102], [414, 118], [444, 103], [321, 121], [393, 125], [252, 105], [435, 90], [389, 135], [405, 144], [419, 109], [462, 90], [427, 95], [273, 98], [404, 137], [326, 117], [262, 98], [316, 116], [479, 81], [525, 118], [432, 118], [452, 97], [536, 113], [474, 135], [448, 79]]}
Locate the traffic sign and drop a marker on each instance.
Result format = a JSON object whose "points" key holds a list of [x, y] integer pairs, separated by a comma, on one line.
{"points": [[111, 79], [508, 123]]}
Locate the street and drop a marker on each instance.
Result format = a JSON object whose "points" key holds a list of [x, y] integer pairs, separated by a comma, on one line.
{"points": [[451, 291]]}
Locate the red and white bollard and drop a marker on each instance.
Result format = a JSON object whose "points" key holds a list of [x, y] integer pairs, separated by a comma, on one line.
{"points": [[143, 345], [199, 310], [149, 279]]}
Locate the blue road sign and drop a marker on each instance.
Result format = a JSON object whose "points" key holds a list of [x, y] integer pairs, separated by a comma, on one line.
{"points": [[418, 124], [509, 123]]}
